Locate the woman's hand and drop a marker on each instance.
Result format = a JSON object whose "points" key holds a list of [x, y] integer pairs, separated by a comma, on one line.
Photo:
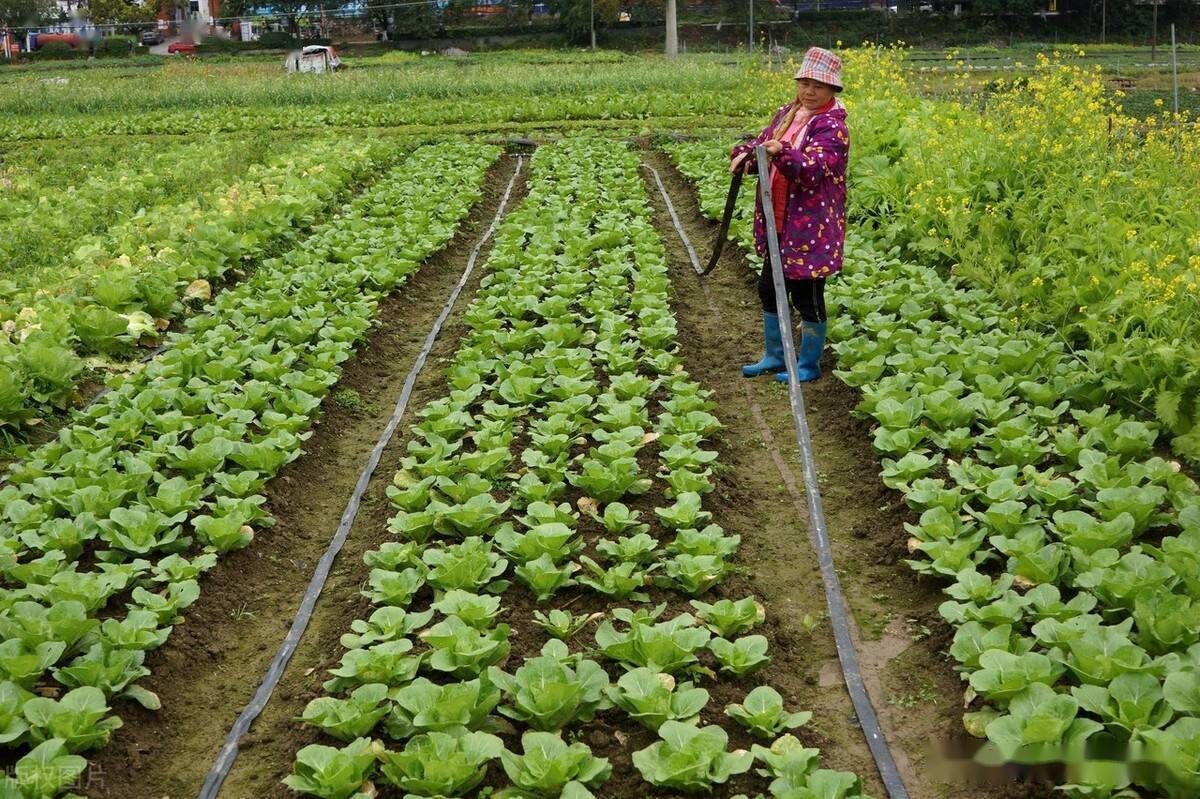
{"points": [[737, 163], [773, 147]]}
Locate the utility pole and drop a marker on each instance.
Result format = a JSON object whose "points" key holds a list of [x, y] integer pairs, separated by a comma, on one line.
{"points": [[593, 23], [751, 26], [1154, 39], [1174, 73], [672, 31], [1103, 20]]}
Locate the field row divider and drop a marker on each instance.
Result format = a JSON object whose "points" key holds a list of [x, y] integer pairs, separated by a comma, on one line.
{"points": [[835, 600]]}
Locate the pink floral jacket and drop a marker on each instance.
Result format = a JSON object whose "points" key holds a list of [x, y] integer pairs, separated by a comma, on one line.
{"points": [[813, 237]]}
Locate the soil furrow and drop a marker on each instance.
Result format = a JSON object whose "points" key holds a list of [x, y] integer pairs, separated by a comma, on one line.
{"points": [[901, 640], [784, 573]]}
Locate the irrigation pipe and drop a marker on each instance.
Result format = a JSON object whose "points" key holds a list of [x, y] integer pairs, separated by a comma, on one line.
{"points": [[835, 600], [229, 751]]}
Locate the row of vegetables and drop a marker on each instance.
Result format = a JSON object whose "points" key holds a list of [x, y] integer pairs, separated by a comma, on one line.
{"points": [[568, 457], [106, 531], [1080, 219], [1067, 543], [482, 112], [51, 199], [121, 287]]}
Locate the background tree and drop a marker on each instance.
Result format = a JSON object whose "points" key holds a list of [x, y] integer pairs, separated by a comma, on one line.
{"points": [[119, 12], [646, 12], [18, 13], [295, 12], [575, 18], [518, 12], [1007, 8], [412, 22]]}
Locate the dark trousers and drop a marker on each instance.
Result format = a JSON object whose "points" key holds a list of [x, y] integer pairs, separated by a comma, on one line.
{"points": [[807, 294]]}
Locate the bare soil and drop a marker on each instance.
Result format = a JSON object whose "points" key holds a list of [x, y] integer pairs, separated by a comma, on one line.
{"points": [[212, 665]]}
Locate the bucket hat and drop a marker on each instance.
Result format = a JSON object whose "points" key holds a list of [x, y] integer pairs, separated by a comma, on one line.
{"points": [[820, 64]]}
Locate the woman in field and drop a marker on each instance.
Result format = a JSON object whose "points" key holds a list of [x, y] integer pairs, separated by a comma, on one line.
{"points": [[809, 145]]}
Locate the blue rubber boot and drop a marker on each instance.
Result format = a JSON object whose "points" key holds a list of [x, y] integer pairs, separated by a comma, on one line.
{"points": [[808, 359], [772, 360]]}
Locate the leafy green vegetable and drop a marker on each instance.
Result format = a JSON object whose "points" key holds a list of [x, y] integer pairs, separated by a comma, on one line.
{"points": [[387, 662], [1041, 726], [448, 763], [544, 577], [762, 713], [385, 624], [350, 718], [618, 519], [651, 698], [686, 513], [423, 706], [478, 610], [619, 581], [693, 574], [668, 646], [77, 720], [1001, 674], [332, 773], [469, 566], [563, 624], [475, 516], [554, 539], [709, 541], [741, 656], [549, 768], [728, 618], [394, 588], [690, 759], [554, 690], [789, 762], [608, 482], [637, 549], [462, 650]]}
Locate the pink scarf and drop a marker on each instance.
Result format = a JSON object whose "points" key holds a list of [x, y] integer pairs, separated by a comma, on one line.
{"points": [[793, 134]]}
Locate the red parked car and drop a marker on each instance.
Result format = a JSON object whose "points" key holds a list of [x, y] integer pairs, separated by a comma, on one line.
{"points": [[181, 46]]}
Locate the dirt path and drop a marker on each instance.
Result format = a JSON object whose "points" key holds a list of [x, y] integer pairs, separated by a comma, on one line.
{"points": [[902, 642], [212, 664]]}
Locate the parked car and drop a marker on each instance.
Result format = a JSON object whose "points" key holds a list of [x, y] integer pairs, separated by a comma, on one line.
{"points": [[151, 37], [181, 46]]}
